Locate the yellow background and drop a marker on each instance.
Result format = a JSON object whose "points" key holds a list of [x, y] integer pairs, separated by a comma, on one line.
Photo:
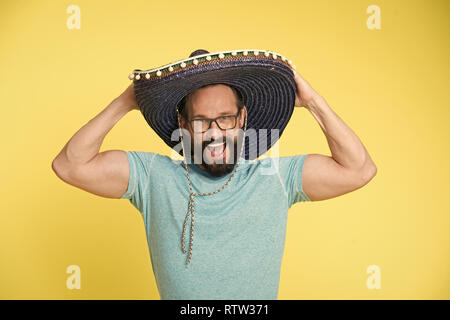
{"points": [[390, 86]]}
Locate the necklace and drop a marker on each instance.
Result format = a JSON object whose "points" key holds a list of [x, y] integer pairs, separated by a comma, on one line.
{"points": [[190, 212]]}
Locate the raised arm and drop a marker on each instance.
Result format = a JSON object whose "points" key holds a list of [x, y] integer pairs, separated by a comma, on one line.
{"points": [[81, 164], [349, 168]]}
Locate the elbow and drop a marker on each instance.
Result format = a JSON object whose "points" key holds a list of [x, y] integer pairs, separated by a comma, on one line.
{"points": [[56, 167], [368, 171], [54, 164], [59, 168], [368, 174]]}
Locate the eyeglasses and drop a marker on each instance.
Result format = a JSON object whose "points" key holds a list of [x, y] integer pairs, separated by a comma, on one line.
{"points": [[223, 122]]}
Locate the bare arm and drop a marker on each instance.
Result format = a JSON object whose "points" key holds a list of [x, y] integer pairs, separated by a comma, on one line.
{"points": [[80, 164], [349, 168]]}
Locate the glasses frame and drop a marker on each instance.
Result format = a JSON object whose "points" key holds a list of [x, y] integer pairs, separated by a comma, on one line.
{"points": [[215, 120]]}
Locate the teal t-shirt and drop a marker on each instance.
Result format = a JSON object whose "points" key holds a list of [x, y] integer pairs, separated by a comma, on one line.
{"points": [[239, 232]]}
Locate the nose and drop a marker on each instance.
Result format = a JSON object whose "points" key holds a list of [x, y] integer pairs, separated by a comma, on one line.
{"points": [[214, 125], [214, 132]]}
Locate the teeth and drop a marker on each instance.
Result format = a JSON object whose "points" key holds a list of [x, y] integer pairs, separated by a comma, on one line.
{"points": [[215, 145]]}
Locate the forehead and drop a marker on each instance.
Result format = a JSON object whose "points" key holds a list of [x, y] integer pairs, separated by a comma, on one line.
{"points": [[212, 101]]}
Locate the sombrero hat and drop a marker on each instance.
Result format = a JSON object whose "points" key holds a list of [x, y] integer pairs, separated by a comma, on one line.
{"points": [[264, 79]]}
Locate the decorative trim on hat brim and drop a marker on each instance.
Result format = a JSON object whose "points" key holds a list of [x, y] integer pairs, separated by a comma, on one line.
{"points": [[204, 58]]}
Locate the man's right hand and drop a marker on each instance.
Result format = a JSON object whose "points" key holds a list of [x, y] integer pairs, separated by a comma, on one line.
{"points": [[128, 98]]}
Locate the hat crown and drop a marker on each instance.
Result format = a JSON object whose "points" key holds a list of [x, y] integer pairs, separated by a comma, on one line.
{"points": [[198, 52]]}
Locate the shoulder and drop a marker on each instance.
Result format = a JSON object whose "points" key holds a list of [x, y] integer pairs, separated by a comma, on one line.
{"points": [[281, 166], [167, 163], [263, 166], [150, 159]]}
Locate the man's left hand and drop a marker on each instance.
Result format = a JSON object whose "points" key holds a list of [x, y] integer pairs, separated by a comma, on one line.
{"points": [[305, 93]]}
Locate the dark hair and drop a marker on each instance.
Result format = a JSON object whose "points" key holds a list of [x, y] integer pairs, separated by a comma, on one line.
{"points": [[183, 109]]}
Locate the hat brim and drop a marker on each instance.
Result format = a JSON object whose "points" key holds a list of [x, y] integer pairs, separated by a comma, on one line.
{"points": [[267, 87]]}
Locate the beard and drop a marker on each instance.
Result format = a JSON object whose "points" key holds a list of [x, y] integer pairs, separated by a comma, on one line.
{"points": [[228, 161]]}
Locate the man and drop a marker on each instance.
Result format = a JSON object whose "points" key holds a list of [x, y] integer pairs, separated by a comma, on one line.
{"points": [[240, 231]]}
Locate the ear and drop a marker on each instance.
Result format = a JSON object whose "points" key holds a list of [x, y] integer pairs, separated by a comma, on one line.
{"points": [[182, 122], [242, 117]]}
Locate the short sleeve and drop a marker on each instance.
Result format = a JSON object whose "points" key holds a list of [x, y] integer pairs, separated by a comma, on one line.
{"points": [[140, 164], [291, 174]]}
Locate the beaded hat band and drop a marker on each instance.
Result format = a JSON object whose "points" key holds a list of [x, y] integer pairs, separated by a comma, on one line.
{"points": [[264, 79]]}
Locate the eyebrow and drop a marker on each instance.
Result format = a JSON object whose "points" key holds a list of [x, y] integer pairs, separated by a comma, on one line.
{"points": [[220, 114]]}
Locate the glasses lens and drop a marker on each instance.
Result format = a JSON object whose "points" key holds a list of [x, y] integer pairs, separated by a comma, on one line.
{"points": [[227, 122], [200, 125]]}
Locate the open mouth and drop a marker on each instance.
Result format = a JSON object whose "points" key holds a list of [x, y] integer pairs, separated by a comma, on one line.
{"points": [[216, 149]]}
